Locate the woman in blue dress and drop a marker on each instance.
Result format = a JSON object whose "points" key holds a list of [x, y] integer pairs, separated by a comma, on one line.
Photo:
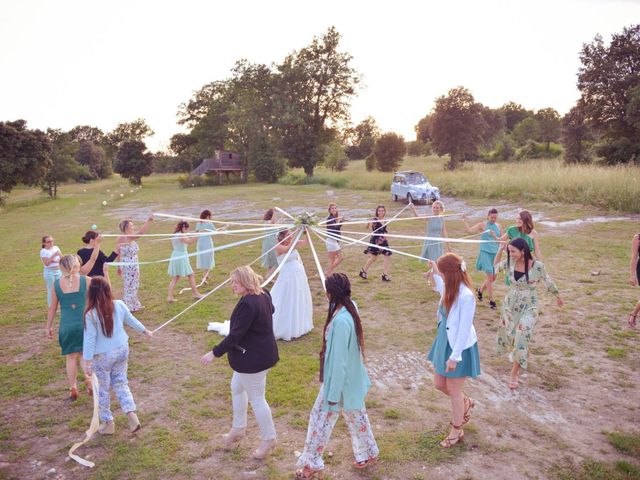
{"points": [[179, 265], [269, 256], [432, 249], [205, 259], [454, 353], [490, 231]]}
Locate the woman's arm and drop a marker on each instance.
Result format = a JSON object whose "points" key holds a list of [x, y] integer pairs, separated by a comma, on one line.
{"points": [[467, 306], [635, 244], [144, 227], [340, 334], [477, 228], [89, 337], [88, 265], [241, 321], [536, 245], [189, 240]]}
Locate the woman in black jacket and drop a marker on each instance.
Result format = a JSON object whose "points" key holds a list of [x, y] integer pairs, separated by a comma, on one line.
{"points": [[251, 350]]}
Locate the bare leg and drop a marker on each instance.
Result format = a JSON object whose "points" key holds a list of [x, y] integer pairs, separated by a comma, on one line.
{"points": [[194, 288], [440, 383], [515, 374], [372, 258], [385, 265], [172, 285], [455, 387], [332, 259], [72, 369], [489, 284], [205, 277]]}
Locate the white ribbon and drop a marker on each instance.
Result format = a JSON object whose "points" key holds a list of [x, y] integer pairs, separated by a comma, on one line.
{"points": [[277, 270], [317, 260], [93, 428]]}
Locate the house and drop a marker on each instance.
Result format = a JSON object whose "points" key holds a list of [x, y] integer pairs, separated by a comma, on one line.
{"points": [[222, 163]]}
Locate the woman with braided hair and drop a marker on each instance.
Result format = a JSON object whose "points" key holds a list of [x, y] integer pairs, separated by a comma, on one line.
{"points": [[344, 384]]}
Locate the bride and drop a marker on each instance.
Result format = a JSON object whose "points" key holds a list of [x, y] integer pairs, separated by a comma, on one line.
{"points": [[291, 296]]}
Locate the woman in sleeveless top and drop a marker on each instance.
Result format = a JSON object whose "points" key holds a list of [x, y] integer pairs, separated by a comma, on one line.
{"points": [[334, 252], [179, 265], [378, 245], [634, 277], [70, 292], [129, 254], [490, 231], [205, 260], [432, 249], [269, 260]]}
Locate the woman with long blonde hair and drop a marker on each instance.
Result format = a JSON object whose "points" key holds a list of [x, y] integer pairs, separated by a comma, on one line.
{"points": [[454, 353]]}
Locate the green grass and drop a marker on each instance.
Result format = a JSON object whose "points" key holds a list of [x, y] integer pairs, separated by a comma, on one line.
{"points": [[612, 188], [625, 442]]}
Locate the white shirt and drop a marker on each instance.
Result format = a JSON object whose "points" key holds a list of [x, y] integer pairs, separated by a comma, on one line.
{"points": [[48, 253], [460, 330]]}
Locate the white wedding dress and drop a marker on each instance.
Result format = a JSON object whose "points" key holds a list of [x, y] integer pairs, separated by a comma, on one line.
{"points": [[291, 296]]}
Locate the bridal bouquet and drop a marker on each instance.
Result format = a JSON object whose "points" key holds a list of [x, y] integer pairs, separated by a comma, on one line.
{"points": [[306, 219]]}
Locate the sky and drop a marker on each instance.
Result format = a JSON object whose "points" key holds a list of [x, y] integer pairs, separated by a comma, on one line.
{"points": [[76, 62]]}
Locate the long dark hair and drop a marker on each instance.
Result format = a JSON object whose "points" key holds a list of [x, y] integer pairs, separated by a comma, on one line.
{"points": [[205, 214], [527, 222], [99, 297], [339, 290], [268, 215], [523, 246], [181, 224]]}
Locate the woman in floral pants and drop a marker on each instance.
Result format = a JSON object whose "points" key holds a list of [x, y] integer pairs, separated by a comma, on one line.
{"points": [[520, 307], [345, 383]]}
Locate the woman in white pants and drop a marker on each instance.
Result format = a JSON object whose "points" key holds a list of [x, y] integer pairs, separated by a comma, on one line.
{"points": [[251, 350]]}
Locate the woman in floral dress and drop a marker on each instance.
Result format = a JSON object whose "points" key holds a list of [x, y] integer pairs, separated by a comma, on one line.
{"points": [[129, 255], [520, 306]]}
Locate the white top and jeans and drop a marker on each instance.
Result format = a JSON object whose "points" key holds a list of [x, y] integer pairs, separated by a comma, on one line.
{"points": [[51, 272]]}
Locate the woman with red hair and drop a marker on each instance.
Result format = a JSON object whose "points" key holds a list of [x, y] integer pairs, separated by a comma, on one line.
{"points": [[454, 353]]}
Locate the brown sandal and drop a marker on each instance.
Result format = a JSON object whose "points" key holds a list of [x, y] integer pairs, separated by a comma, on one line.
{"points": [[308, 473], [451, 441], [632, 320], [470, 403]]}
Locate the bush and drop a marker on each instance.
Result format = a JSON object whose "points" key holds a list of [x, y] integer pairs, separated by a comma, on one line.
{"points": [[207, 180], [265, 161], [171, 164], [370, 163], [335, 158], [533, 150], [418, 148], [389, 151]]}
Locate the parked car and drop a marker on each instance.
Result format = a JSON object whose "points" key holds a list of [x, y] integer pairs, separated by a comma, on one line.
{"points": [[413, 187]]}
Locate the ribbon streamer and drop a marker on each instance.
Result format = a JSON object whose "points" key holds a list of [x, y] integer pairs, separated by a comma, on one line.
{"points": [[435, 239], [194, 219], [317, 260], [93, 427], [277, 270]]}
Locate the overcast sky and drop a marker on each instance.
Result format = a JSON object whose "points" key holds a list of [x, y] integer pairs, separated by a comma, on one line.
{"points": [[67, 63]]}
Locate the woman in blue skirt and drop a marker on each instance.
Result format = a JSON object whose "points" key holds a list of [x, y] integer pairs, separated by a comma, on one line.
{"points": [[454, 353], [205, 260], [490, 231], [179, 265]]}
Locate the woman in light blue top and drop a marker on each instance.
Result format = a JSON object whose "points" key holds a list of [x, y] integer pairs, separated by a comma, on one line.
{"points": [[179, 265], [269, 256], [205, 259], [490, 231], [345, 383], [454, 353], [106, 351], [432, 249]]}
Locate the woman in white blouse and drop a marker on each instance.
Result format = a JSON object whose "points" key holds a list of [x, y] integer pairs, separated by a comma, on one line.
{"points": [[50, 256]]}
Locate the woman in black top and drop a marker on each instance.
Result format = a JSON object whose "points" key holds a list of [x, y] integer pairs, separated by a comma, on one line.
{"points": [[634, 278], [85, 254], [251, 350], [378, 228]]}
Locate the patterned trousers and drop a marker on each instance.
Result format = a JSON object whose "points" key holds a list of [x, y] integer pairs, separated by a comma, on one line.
{"points": [[111, 369], [321, 425]]}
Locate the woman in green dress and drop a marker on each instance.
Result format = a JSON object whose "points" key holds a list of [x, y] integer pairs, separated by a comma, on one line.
{"points": [[269, 260], [433, 249], [520, 306], [70, 292], [179, 265], [205, 260], [487, 254]]}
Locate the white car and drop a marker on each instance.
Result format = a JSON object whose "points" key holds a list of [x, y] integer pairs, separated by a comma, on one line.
{"points": [[413, 187]]}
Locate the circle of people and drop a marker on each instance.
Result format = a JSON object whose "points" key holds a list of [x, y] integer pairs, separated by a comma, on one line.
{"points": [[92, 334]]}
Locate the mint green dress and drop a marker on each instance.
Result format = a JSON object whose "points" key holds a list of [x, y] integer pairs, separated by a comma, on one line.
{"points": [[488, 250], [432, 249], [205, 260], [179, 265], [72, 304]]}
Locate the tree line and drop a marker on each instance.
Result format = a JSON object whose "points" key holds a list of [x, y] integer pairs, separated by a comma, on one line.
{"points": [[295, 113]]}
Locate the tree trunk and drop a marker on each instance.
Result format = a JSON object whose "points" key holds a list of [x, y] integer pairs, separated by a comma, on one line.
{"points": [[452, 163], [308, 169], [55, 189]]}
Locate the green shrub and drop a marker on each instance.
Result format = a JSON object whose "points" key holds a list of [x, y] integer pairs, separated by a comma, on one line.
{"points": [[533, 150]]}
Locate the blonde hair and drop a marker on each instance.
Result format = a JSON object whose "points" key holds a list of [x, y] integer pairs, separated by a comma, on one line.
{"points": [[70, 265], [438, 202], [248, 279]]}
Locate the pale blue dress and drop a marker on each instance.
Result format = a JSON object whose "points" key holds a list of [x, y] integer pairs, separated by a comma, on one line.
{"points": [[488, 251], [269, 260], [179, 265], [432, 249], [205, 260]]}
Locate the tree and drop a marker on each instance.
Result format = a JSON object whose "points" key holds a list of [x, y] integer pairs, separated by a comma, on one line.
{"points": [[577, 138], [95, 159], [526, 130], [316, 86], [335, 157], [84, 133], [606, 80], [25, 155], [422, 129], [266, 162], [133, 162], [362, 138], [64, 167], [514, 113], [458, 126], [548, 126], [389, 151], [137, 130]]}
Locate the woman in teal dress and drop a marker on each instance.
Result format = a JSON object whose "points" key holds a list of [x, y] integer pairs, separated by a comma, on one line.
{"points": [[454, 353], [70, 292], [269, 260], [432, 249], [205, 259], [490, 231], [179, 265], [520, 307]]}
